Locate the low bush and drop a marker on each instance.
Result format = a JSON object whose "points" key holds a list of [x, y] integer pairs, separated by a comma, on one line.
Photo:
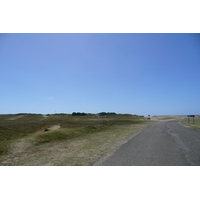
{"points": [[3, 150], [53, 136]]}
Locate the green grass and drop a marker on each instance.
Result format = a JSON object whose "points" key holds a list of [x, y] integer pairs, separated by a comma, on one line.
{"points": [[17, 126], [66, 134], [195, 125], [12, 127], [80, 127], [52, 136], [3, 149]]}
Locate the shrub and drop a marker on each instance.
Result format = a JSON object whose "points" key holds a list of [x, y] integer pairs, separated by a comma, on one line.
{"points": [[3, 150], [52, 136]]}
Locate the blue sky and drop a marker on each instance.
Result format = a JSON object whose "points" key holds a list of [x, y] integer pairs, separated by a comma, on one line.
{"points": [[123, 73]]}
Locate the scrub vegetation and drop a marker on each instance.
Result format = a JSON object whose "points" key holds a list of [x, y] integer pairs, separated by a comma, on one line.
{"points": [[27, 139]]}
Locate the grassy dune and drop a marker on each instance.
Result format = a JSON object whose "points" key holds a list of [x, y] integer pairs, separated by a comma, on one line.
{"points": [[80, 140]]}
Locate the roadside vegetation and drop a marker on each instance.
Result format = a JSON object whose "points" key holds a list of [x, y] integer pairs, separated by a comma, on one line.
{"points": [[27, 137], [195, 124], [167, 117]]}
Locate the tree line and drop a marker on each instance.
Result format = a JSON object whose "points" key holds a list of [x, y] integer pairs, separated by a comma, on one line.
{"points": [[107, 113], [78, 114], [100, 114]]}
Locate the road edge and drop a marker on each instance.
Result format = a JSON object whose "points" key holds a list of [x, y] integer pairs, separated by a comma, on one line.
{"points": [[126, 139]]}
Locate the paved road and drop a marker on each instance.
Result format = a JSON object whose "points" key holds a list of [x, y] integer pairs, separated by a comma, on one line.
{"points": [[165, 143]]}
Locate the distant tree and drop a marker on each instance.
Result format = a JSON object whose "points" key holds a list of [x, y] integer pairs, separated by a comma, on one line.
{"points": [[60, 114], [35, 114], [78, 114], [107, 113]]}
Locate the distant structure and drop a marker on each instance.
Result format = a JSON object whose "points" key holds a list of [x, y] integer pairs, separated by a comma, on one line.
{"points": [[189, 118]]}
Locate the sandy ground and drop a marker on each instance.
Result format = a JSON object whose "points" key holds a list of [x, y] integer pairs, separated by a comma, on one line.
{"points": [[54, 127], [14, 118]]}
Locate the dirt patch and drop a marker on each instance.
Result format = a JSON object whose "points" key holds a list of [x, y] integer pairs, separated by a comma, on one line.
{"points": [[54, 127], [44, 117], [14, 118]]}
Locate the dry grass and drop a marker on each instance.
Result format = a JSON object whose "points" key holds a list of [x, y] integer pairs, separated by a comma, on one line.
{"points": [[167, 117], [195, 125], [81, 141]]}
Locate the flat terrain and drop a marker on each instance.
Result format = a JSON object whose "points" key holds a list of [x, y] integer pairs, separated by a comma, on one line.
{"points": [[193, 124], [64, 140], [164, 143]]}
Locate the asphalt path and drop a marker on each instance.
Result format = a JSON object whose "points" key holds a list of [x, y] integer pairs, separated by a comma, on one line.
{"points": [[165, 143]]}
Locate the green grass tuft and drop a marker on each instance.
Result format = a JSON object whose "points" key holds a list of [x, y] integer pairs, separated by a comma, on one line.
{"points": [[52, 136], [3, 150]]}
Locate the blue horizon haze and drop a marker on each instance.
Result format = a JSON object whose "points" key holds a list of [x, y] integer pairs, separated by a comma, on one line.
{"points": [[133, 73]]}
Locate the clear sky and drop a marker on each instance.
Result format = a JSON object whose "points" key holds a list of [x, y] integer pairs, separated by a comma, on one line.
{"points": [[123, 73]]}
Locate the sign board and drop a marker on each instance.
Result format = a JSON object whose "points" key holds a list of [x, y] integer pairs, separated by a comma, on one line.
{"points": [[189, 118]]}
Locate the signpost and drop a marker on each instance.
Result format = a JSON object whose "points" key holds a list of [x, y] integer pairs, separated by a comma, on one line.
{"points": [[189, 118], [98, 115]]}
